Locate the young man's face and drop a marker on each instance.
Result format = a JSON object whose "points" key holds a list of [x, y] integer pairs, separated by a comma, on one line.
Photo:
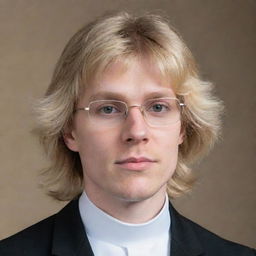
{"points": [[131, 160]]}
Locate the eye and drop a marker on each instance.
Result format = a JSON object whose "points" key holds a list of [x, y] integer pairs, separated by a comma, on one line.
{"points": [[108, 110], [158, 107]]}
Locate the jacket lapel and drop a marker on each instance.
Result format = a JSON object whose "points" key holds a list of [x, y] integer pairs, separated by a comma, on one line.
{"points": [[184, 241], [69, 237]]}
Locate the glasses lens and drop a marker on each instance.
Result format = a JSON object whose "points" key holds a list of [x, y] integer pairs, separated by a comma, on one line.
{"points": [[106, 112], [162, 111]]}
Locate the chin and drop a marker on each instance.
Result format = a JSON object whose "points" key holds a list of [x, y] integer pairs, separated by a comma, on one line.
{"points": [[137, 195], [137, 188]]}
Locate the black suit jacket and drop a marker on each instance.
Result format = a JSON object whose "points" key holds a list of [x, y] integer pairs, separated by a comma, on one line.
{"points": [[63, 234]]}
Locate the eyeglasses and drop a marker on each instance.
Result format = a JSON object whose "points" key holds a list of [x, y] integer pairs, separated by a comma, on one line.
{"points": [[156, 112]]}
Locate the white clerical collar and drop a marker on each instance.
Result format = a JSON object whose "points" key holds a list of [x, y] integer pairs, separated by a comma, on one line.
{"points": [[101, 226]]}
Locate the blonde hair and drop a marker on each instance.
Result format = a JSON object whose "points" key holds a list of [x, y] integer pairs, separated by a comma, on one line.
{"points": [[88, 53]]}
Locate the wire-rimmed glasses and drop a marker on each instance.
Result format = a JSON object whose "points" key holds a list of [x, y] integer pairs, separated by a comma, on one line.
{"points": [[156, 112]]}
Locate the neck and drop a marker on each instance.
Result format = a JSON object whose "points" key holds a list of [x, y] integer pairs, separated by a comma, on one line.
{"points": [[129, 211]]}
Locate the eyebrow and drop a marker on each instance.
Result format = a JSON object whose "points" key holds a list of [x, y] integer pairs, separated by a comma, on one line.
{"points": [[106, 95]]}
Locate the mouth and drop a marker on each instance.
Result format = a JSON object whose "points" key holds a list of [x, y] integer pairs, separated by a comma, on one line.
{"points": [[136, 163]]}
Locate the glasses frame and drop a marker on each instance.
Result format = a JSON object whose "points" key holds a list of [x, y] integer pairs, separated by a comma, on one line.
{"points": [[141, 107]]}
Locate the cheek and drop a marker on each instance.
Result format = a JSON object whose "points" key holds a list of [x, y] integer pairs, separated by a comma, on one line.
{"points": [[94, 147], [170, 138], [168, 143]]}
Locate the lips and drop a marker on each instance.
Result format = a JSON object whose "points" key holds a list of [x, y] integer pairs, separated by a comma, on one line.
{"points": [[134, 160], [136, 163]]}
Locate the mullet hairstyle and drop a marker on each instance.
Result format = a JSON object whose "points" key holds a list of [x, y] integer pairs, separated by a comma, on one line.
{"points": [[124, 37]]}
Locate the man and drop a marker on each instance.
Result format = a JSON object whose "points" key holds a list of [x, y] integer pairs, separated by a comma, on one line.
{"points": [[124, 116]]}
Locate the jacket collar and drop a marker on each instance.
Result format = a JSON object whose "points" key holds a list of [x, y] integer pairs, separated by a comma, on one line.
{"points": [[69, 237], [184, 241]]}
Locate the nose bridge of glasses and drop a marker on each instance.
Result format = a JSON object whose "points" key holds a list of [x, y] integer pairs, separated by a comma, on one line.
{"points": [[137, 121], [140, 107], [141, 110]]}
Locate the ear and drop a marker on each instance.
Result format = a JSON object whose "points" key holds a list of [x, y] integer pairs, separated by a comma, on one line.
{"points": [[70, 140], [182, 135]]}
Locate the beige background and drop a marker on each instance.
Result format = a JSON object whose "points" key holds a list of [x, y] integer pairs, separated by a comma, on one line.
{"points": [[222, 36]]}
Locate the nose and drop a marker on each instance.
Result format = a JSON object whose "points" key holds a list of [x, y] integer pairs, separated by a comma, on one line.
{"points": [[135, 129]]}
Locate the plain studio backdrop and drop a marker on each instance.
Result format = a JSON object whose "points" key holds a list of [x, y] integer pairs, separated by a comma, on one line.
{"points": [[222, 37]]}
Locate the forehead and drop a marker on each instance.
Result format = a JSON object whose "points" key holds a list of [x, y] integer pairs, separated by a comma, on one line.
{"points": [[136, 80]]}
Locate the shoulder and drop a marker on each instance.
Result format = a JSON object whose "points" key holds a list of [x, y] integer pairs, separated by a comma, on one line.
{"points": [[60, 232], [216, 245], [36, 238]]}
